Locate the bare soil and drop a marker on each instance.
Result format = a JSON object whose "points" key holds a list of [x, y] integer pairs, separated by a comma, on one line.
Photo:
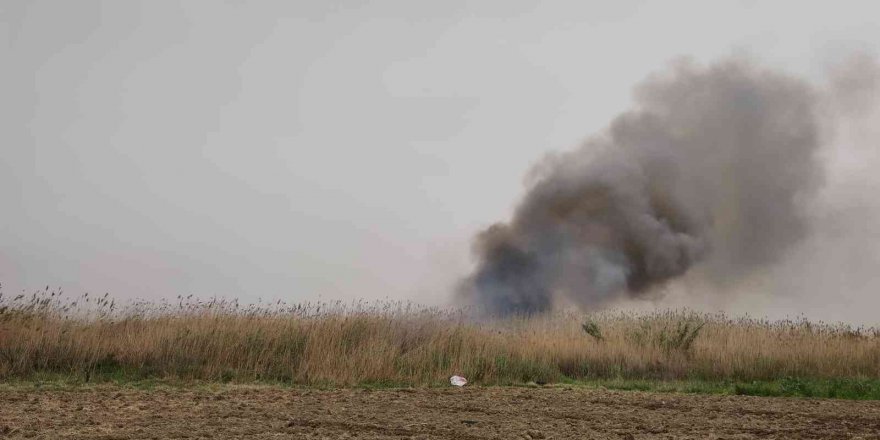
{"points": [[469, 413]]}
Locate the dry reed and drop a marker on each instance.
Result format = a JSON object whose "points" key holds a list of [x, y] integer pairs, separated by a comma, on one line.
{"points": [[398, 343]]}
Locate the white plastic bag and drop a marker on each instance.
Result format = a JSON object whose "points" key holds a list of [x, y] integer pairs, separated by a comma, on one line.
{"points": [[458, 381]]}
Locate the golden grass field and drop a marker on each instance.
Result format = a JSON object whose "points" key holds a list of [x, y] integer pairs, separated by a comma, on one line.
{"points": [[340, 344]]}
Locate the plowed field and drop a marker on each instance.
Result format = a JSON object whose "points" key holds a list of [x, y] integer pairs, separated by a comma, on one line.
{"points": [[469, 413]]}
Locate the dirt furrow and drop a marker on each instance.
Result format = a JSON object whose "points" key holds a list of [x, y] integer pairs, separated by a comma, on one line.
{"points": [[470, 413]]}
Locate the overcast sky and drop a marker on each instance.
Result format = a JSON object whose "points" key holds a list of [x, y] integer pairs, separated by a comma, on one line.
{"points": [[306, 149]]}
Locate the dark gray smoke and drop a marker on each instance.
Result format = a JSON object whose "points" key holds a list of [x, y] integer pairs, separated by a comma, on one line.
{"points": [[712, 167]]}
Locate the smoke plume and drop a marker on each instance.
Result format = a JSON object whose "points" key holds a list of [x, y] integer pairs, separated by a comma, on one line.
{"points": [[711, 168]]}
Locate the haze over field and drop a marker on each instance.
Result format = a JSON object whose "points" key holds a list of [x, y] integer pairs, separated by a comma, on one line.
{"points": [[338, 150]]}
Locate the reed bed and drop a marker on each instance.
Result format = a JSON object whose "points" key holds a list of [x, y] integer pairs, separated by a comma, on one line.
{"points": [[343, 344]]}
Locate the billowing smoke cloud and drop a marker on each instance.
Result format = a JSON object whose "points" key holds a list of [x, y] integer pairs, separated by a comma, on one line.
{"points": [[711, 168]]}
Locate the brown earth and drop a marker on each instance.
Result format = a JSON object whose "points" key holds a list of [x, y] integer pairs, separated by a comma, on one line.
{"points": [[469, 413]]}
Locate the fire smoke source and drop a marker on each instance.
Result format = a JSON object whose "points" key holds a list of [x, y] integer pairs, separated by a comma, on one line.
{"points": [[710, 168]]}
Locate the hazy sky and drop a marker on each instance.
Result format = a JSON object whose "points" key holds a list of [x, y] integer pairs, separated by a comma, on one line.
{"points": [[326, 149]]}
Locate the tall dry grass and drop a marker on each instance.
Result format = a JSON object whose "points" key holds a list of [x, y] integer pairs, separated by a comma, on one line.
{"points": [[395, 343]]}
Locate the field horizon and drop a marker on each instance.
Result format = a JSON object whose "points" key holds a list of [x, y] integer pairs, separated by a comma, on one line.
{"points": [[47, 337]]}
